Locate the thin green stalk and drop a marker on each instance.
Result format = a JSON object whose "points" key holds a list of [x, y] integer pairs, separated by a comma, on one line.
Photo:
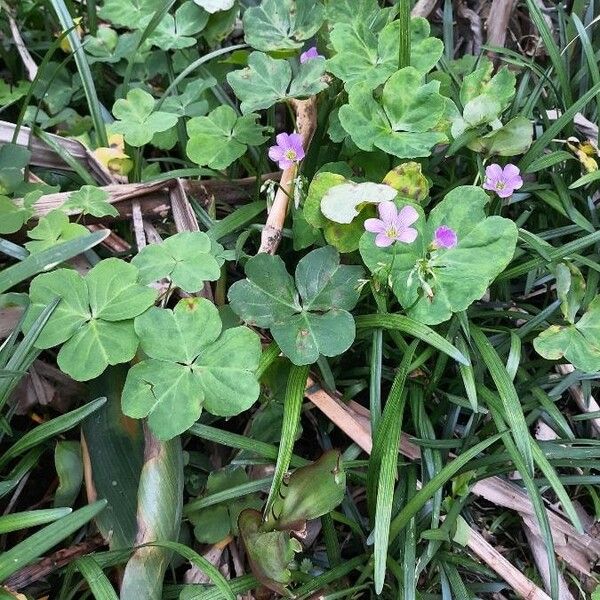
{"points": [[404, 33]]}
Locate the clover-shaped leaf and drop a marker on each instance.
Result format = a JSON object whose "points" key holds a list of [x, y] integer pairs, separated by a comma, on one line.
{"points": [[365, 57], [409, 180], [53, 229], [13, 160], [509, 140], [282, 24], [433, 282], [188, 259], [176, 32], [221, 137], [306, 318], [405, 121], [14, 216], [94, 318], [137, 119], [190, 364], [91, 200], [134, 14], [11, 93], [190, 103], [578, 343], [267, 80]]}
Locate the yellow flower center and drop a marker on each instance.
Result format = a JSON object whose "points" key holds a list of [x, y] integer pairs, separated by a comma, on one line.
{"points": [[500, 185], [290, 154], [391, 233]]}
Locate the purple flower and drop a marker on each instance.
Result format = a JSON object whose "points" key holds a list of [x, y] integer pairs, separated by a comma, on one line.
{"points": [[288, 151], [310, 53], [502, 181], [445, 237], [393, 225]]}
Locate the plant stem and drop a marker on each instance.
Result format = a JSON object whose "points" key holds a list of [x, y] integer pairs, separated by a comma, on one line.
{"points": [[404, 33]]}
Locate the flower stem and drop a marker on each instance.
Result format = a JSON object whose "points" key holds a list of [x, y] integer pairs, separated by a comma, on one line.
{"points": [[404, 33]]}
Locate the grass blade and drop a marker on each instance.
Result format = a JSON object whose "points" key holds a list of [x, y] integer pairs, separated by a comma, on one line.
{"points": [[99, 584], [41, 541], [31, 518]]}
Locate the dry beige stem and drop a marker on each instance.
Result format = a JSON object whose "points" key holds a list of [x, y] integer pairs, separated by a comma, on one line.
{"points": [[423, 8], [306, 123], [585, 404], [497, 21], [27, 59]]}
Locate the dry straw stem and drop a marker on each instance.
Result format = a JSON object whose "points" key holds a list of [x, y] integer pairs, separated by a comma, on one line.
{"points": [[30, 65], [306, 123], [497, 21], [423, 8], [579, 551]]}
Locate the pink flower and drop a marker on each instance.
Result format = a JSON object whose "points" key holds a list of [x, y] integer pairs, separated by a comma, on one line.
{"points": [[288, 151], [502, 181], [310, 53], [445, 237], [393, 225]]}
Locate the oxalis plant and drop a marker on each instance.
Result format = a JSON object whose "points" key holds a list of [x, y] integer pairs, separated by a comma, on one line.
{"points": [[334, 240]]}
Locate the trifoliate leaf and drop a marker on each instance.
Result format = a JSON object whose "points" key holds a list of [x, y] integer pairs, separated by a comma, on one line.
{"points": [[93, 319], [282, 24], [576, 343], [364, 57], [53, 229], [187, 258], [432, 283], [133, 14], [309, 317], [91, 200], [221, 137], [13, 160], [266, 81], [191, 364], [403, 124], [190, 103], [137, 120], [176, 32]]}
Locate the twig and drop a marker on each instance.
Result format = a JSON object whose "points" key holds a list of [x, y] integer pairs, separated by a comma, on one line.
{"points": [[423, 8], [497, 21], [306, 122], [27, 59]]}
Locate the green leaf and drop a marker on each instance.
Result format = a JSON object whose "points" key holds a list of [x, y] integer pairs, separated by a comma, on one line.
{"points": [[11, 93], [509, 140], [190, 103], [370, 59], [93, 318], [266, 81], [176, 32], [186, 258], [403, 124], [137, 119], [221, 137], [409, 180], [99, 583], [91, 200], [282, 24], [189, 358], [310, 492], [69, 468], [269, 553], [32, 518], [133, 14], [53, 229], [38, 543], [307, 318], [576, 343], [432, 283], [12, 216], [570, 289]]}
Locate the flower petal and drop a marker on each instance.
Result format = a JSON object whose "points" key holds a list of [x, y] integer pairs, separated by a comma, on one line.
{"points": [[375, 225], [506, 192], [275, 153], [511, 171], [383, 241], [408, 235], [283, 140], [387, 211], [407, 216], [493, 172], [445, 237]]}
